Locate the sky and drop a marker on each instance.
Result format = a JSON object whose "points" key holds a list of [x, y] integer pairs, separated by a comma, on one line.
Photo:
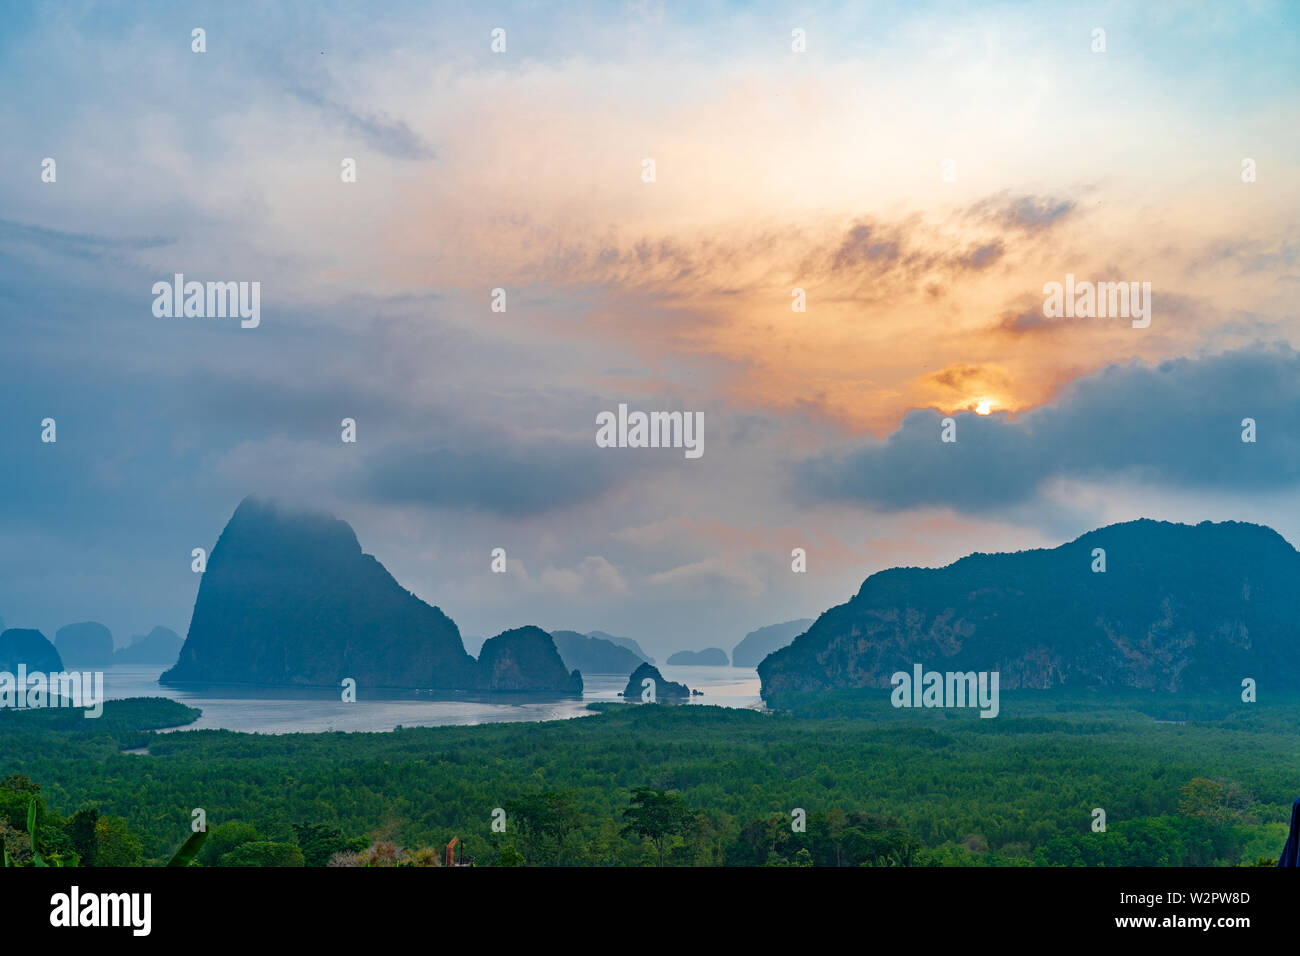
{"points": [[920, 171]]}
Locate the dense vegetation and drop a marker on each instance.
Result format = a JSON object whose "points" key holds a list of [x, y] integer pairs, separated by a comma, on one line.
{"points": [[709, 786]]}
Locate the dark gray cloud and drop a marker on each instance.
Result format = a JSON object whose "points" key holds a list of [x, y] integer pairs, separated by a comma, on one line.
{"points": [[868, 243], [77, 245], [905, 251], [390, 136], [964, 376], [498, 472], [982, 256], [1026, 213], [1027, 322], [1176, 424]]}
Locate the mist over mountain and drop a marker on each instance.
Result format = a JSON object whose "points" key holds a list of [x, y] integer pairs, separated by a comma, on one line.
{"points": [[757, 644], [161, 645], [593, 655], [709, 657], [627, 642], [87, 644], [289, 598], [1178, 607]]}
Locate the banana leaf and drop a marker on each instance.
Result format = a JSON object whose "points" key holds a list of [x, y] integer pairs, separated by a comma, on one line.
{"points": [[37, 860], [189, 849]]}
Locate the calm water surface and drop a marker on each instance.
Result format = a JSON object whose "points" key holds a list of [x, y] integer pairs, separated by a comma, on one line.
{"points": [[280, 711]]}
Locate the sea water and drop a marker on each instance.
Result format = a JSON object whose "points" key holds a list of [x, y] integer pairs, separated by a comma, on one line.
{"points": [[280, 710]]}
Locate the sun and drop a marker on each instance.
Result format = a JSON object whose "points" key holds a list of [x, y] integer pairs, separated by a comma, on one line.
{"points": [[984, 407]]}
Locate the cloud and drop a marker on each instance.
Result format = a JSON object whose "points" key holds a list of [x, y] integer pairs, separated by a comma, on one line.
{"points": [[965, 378], [713, 576], [593, 577], [497, 471], [77, 245], [1031, 321], [392, 137], [1024, 213], [1176, 424], [1251, 255], [866, 243], [523, 171], [908, 250]]}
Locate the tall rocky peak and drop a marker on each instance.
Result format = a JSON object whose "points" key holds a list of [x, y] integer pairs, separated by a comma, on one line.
{"points": [[1177, 607], [290, 598]]}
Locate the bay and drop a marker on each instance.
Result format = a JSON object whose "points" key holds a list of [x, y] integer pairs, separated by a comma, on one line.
{"points": [[280, 710]]}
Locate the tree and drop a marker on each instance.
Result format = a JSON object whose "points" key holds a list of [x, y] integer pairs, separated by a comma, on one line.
{"points": [[1212, 800], [319, 842], [115, 845], [264, 853], [16, 793], [223, 838], [81, 831], [837, 822], [541, 817], [510, 856], [562, 818], [656, 815]]}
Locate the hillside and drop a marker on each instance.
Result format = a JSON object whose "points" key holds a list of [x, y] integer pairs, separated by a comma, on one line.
{"points": [[1178, 607]]}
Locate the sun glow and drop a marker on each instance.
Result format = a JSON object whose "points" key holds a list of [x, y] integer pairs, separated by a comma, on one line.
{"points": [[984, 407]]}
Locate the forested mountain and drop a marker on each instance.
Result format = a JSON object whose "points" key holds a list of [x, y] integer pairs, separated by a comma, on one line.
{"points": [[1176, 607]]}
